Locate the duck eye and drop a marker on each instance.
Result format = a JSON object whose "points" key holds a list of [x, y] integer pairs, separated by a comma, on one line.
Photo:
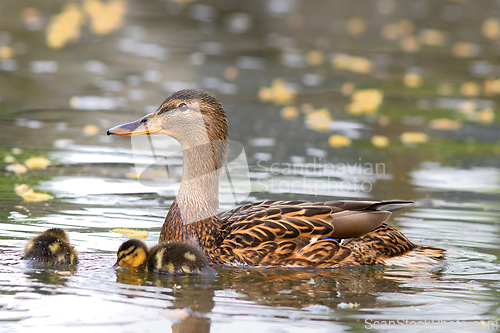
{"points": [[183, 106]]}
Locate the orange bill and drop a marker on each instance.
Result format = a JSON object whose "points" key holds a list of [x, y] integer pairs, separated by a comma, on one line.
{"points": [[144, 125]]}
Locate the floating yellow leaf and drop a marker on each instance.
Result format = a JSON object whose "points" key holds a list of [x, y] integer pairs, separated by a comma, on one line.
{"points": [[354, 305], [132, 233], [315, 58], [492, 87], [105, 18], [383, 121], [394, 31], [445, 124], [467, 107], [432, 37], [17, 168], [485, 116], [491, 28], [9, 159], [289, 112], [337, 141], [464, 50], [361, 65], [90, 130], [265, 94], [278, 93], [347, 88], [380, 141], [21, 189], [470, 89], [319, 120], [29, 195], [37, 163], [414, 137], [231, 73], [32, 196], [65, 26], [365, 101], [6, 52], [356, 26], [412, 80], [390, 31], [409, 44], [358, 65]]}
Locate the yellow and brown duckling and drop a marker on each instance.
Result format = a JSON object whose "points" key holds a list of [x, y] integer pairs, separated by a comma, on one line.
{"points": [[51, 248], [173, 258], [268, 233]]}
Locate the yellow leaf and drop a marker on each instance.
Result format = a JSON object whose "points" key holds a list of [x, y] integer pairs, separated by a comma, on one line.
{"points": [[380, 141], [90, 130], [289, 112], [17, 168], [414, 137], [37, 163], [445, 124], [132, 233], [486, 116], [337, 141], [32, 196], [319, 120]]}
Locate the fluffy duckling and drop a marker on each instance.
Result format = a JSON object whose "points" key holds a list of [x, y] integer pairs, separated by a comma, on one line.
{"points": [[51, 248], [173, 258]]}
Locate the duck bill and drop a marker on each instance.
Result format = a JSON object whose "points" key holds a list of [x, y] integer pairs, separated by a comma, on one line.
{"points": [[144, 125]]}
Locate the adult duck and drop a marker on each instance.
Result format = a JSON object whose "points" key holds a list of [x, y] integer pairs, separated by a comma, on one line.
{"points": [[268, 233]]}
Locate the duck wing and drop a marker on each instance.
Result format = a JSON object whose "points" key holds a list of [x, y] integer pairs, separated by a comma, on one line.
{"points": [[272, 231]]}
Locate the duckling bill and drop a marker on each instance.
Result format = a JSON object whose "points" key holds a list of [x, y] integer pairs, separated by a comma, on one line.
{"points": [[51, 248], [172, 258]]}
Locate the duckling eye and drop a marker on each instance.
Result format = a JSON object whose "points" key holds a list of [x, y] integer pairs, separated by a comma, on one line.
{"points": [[183, 106]]}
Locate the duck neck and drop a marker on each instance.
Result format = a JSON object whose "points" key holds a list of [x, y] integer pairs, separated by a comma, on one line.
{"points": [[193, 214]]}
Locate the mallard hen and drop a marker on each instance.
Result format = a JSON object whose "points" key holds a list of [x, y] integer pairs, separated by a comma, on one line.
{"points": [[268, 233]]}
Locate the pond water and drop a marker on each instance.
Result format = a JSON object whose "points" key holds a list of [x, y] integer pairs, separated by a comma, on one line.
{"points": [[358, 100]]}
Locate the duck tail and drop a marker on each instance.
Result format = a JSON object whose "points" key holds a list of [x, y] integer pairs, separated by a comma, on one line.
{"points": [[389, 205], [420, 256]]}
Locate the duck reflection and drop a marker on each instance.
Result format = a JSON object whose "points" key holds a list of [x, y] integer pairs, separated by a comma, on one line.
{"points": [[296, 288], [193, 292]]}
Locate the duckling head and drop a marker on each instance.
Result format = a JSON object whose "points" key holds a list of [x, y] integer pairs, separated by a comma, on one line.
{"points": [[132, 254], [57, 232], [190, 116]]}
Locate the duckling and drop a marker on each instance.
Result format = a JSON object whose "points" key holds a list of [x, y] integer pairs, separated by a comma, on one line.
{"points": [[173, 258], [51, 248], [267, 233]]}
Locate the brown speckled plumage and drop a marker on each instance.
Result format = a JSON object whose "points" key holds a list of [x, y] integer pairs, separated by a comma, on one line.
{"points": [[51, 248], [268, 233]]}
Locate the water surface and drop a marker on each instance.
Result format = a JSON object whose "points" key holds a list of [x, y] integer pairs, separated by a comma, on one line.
{"points": [[287, 73]]}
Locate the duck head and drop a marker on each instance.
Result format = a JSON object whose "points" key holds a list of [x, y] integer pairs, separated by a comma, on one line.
{"points": [[192, 117], [132, 253]]}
